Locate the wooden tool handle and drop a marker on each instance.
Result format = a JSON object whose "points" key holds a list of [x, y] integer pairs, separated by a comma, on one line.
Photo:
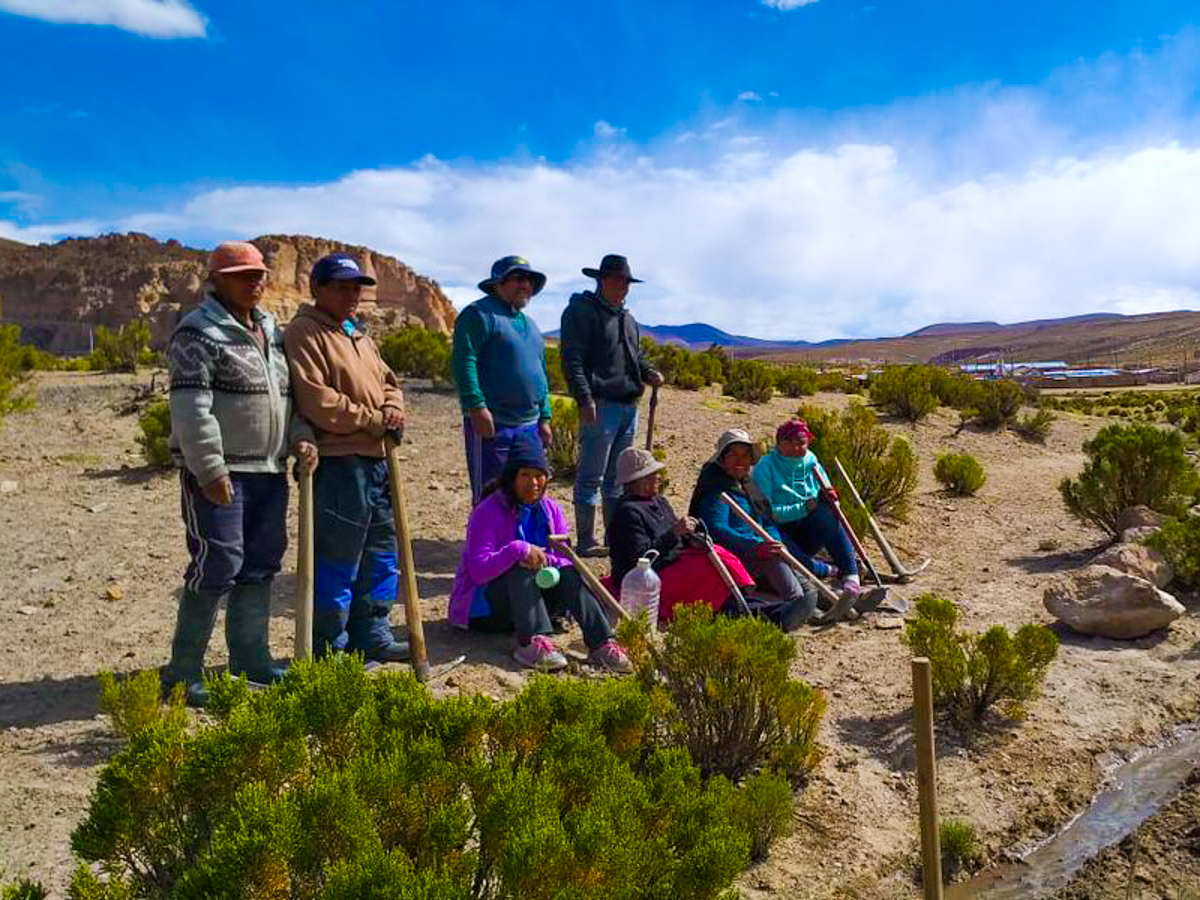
{"points": [[408, 572], [650, 419], [589, 578], [788, 558], [303, 600]]}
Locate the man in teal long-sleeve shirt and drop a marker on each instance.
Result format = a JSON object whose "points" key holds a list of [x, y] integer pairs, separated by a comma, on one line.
{"points": [[500, 368]]}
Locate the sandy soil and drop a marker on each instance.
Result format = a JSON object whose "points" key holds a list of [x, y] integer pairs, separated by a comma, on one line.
{"points": [[92, 552]]}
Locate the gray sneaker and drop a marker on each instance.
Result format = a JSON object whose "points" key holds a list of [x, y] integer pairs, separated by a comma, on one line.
{"points": [[610, 656], [541, 654]]}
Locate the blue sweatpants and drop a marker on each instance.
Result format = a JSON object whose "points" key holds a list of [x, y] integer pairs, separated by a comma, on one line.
{"points": [[242, 543], [821, 530], [487, 456], [599, 446], [357, 569]]}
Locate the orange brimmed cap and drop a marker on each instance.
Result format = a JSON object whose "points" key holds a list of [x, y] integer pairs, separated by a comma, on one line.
{"points": [[236, 256]]}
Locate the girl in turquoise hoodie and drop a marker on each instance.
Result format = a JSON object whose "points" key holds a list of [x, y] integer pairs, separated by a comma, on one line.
{"points": [[790, 476]]}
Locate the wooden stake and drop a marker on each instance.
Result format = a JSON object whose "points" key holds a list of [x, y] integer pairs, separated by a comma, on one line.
{"points": [[303, 603], [408, 572], [931, 847], [595, 585]]}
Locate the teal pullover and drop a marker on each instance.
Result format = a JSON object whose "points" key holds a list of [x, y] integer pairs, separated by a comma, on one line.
{"points": [[789, 482]]}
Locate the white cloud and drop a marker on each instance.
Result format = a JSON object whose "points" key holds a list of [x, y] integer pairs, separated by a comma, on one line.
{"points": [[749, 97], [150, 18], [787, 4], [607, 132], [807, 243]]}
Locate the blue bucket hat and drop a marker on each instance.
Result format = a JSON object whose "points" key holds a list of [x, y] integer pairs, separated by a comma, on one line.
{"points": [[338, 267], [505, 266]]}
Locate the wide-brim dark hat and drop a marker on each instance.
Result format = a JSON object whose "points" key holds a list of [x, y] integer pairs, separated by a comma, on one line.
{"points": [[613, 264], [505, 266]]}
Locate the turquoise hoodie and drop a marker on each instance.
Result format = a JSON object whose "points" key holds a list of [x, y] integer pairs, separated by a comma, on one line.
{"points": [[789, 483]]}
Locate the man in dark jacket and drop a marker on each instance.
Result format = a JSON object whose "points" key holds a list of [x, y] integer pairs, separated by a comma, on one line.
{"points": [[605, 368]]}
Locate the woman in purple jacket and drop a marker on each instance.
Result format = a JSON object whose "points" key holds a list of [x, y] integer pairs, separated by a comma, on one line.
{"points": [[495, 587]]}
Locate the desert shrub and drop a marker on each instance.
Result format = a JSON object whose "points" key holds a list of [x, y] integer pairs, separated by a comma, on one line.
{"points": [[973, 672], [155, 425], [335, 784], [724, 693], [960, 846], [419, 353], [134, 703], [684, 368], [1034, 427], [120, 350], [904, 391], [750, 382], [996, 403], [14, 373], [883, 467], [659, 452], [796, 381], [960, 473], [763, 809], [563, 452], [836, 382], [23, 889], [554, 370], [1179, 541], [1131, 465]]}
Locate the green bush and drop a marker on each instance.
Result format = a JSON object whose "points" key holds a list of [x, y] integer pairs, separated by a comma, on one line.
{"points": [[684, 368], [14, 373], [419, 353], [1035, 427], [155, 425], [120, 350], [1131, 465], [996, 403], [960, 847], [835, 382], [134, 705], [883, 467], [796, 381], [1179, 541], [23, 889], [973, 672], [905, 392], [723, 691], [763, 809], [335, 784], [960, 473], [554, 370], [750, 382], [563, 452]]}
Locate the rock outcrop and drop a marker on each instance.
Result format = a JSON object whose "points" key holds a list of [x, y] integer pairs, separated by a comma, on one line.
{"points": [[1102, 601], [58, 292], [1137, 559]]}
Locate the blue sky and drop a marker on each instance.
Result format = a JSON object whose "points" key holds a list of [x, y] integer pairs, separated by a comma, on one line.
{"points": [[814, 170]]}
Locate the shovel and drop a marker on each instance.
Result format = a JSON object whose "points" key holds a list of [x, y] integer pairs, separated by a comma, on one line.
{"points": [[303, 602], [841, 604], [905, 575], [872, 599], [408, 574]]}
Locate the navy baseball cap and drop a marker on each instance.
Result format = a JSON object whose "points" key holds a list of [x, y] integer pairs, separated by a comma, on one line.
{"points": [[338, 267]]}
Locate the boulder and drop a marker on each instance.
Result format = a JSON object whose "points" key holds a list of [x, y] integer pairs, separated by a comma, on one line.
{"points": [[1102, 601], [1137, 559], [1139, 517], [1137, 535]]}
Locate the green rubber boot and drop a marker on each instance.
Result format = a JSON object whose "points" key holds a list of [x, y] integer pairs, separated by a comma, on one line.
{"points": [[193, 628], [247, 622]]}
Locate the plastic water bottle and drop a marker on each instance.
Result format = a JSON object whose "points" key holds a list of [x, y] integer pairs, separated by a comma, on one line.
{"points": [[641, 588]]}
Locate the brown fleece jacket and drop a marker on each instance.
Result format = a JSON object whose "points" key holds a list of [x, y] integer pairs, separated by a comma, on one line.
{"points": [[340, 384]]}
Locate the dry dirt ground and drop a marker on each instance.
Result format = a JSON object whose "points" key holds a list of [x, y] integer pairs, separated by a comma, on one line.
{"points": [[92, 553]]}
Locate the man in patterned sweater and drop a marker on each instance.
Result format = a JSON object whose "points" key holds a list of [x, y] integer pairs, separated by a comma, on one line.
{"points": [[230, 417]]}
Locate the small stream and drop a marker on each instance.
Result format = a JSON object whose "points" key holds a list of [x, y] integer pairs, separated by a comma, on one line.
{"points": [[1134, 791]]}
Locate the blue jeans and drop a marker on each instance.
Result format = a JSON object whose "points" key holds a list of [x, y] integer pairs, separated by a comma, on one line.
{"points": [[821, 530], [486, 456], [599, 446], [354, 541]]}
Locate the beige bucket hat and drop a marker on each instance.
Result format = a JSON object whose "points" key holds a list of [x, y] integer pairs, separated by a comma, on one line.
{"points": [[635, 463], [735, 436]]}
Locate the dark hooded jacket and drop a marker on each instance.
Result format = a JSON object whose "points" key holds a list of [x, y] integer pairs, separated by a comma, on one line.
{"points": [[725, 526], [602, 355], [640, 524]]}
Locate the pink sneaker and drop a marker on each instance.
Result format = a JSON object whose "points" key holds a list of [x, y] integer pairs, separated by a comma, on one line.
{"points": [[541, 654], [610, 657]]}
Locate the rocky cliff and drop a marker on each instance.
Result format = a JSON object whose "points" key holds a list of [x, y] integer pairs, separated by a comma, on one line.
{"points": [[58, 292]]}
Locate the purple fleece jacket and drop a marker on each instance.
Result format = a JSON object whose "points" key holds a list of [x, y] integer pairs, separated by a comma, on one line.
{"points": [[492, 549]]}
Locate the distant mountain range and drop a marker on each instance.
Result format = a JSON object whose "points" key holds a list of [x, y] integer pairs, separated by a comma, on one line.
{"points": [[698, 335]]}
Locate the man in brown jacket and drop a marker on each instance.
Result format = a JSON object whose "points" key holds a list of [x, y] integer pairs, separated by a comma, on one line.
{"points": [[352, 399]]}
